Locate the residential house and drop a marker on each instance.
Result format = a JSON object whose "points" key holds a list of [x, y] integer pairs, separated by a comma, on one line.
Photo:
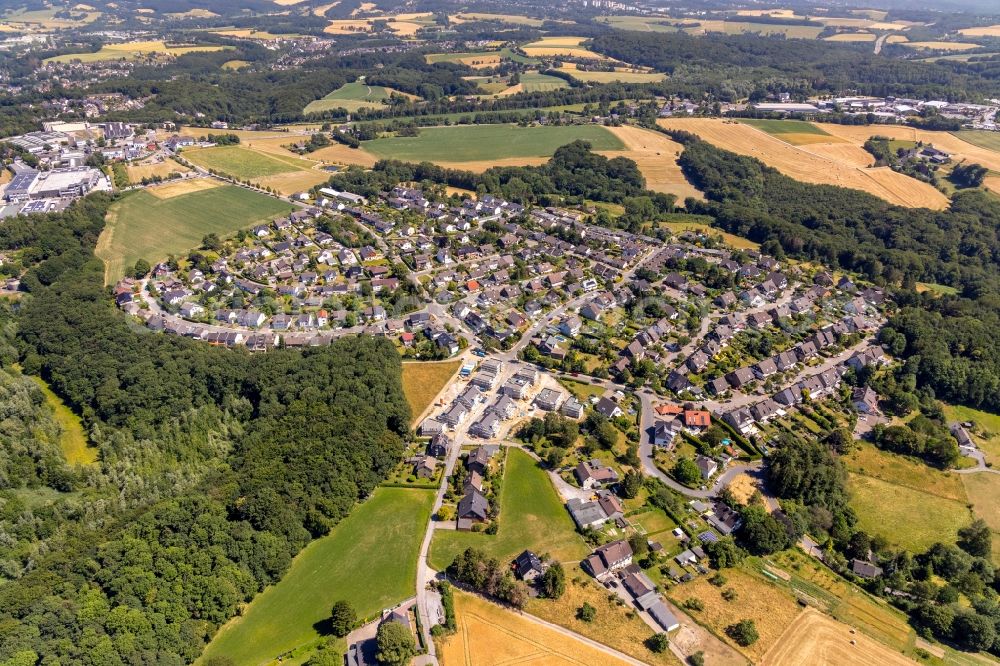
{"points": [[707, 466], [594, 474], [608, 408], [608, 559], [528, 566]]}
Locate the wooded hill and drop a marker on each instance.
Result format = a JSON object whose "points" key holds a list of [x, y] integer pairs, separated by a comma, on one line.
{"points": [[216, 468]]}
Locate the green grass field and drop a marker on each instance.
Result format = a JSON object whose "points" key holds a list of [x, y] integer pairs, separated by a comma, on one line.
{"points": [[423, 381], [142, 226], [611, 77], [350, 96], [981, 138], [240, 162], [471, 143], [369, 559], [531, 516], [905, 516], [778, 127], [868, 460], [538, 82], [72, 438]]}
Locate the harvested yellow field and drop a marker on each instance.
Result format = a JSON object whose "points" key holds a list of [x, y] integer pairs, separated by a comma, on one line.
{"points": [[556, 46], [656, 155], [811, 164], [844, 152], [982, 31], [341, 154], [136, 172], [896, 39], [959, 149], [405, 28], [347, 27], [480, 61], [235, 64], [245, 135], [943, 46], [992, 183], [489, 635], [288, 3], [181, 187], [321, 10], [249, 33], [506, 18], [294, 181], [819, 640], [852, 37], [193, 13], [364, 7], [770, 607], [513, 90], [807, 139], [777, 13]]}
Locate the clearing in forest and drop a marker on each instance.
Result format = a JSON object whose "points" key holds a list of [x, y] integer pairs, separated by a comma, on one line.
{"points": [[813, 163], [656, 156], [353, 97]]}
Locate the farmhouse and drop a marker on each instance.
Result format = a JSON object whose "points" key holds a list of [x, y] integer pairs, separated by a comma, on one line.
{"points": [[608, 559]]}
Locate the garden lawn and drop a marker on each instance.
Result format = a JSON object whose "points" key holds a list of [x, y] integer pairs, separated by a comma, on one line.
{"points": [[369, 559], [140, 225], [471, 143], [242, 163], [531, 517], [906, 517], [423, 381]]}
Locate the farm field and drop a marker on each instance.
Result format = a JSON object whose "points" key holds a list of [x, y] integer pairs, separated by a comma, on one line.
{"points": [[353, 96], [281, 170], [531, 516], [742, 27], [163, 168], [656, 155], [134, 51], [815, 163], [902, 471], [982, 31], [144, 225], [423, 381], [819, 640], [369, 559], [795, 132], [811, 581], [471, 143], [907, 517], [623, 74], [612, 626], [489, 635], [235, 64], [770, 607], [942, 46], [974, 146], [72, 437], [560, 46], [475, 59], [250, 33], [506, 18], [538, 82], [851, 37]]}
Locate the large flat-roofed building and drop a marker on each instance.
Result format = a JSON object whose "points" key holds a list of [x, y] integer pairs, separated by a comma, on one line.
{"points": [[19, 187], [70, 182]]}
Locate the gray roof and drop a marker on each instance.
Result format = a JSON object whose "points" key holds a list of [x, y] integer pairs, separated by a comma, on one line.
{"points": [[473, 505]]}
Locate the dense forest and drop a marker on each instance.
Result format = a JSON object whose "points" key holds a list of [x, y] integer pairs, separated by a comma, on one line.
{"points": [[215, 468], [733, 67]]}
